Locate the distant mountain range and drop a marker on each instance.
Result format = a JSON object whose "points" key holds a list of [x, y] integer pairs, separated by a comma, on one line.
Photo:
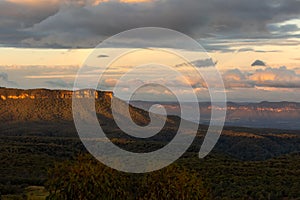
{"points": [[280, 115]]}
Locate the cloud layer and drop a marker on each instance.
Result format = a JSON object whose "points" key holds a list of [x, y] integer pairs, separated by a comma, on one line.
{"points": [[84, 23], [269, 77]]}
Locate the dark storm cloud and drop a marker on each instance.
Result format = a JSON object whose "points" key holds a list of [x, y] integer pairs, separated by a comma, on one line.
{"points": [[258, 63], [14, 18], [86, 25], [103, 56]]}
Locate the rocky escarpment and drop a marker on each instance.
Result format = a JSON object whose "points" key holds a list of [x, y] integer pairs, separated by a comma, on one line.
{"points": [[50, 112], [56, 105], [45, 105], [14, 94]]}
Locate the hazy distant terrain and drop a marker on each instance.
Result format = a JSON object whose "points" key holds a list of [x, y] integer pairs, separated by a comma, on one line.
{"points": [[280, 115]]}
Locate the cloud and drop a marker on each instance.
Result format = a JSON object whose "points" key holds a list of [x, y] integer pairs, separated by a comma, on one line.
{"points": [[110, 82], [254, 44], [199, 63], [258, 63], [287, 28], [236, 79], [134, 1], [269, 77], [248, 49], [84, 23], [103, 56], [5, 82], [18, 15], [59, 84], [276, 77]]}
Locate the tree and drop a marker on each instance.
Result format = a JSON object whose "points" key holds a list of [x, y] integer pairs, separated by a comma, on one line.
{"points": [[173, 182], [87, 179]]}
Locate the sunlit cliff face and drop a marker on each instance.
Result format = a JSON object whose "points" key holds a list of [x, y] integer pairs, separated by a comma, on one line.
{"points": [[54, 94], [22, 96]]}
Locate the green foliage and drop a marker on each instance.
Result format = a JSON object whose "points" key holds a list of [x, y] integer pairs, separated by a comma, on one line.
{"points": [[173, 182], [229, 178], [24, 160], [87, 179]]}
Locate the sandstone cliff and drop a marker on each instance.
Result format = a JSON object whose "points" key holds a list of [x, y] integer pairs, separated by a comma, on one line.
{"points": [[14, 94]]}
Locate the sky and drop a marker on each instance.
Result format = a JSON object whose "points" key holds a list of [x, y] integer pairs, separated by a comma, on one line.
{"points": [[254, 44]]}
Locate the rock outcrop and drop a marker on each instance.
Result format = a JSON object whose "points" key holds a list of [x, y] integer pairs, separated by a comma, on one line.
{"points": [[14, 94]]}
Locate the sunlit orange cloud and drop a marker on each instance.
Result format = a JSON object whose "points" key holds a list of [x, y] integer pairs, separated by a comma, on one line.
{"points": [[233, 77], [135, 1], [263, 76], [97, 2]]}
